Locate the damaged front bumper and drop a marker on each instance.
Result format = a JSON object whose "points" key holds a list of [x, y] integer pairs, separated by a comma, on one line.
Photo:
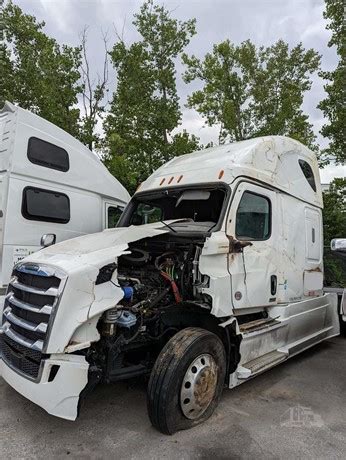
{"points": [[57, 392]]}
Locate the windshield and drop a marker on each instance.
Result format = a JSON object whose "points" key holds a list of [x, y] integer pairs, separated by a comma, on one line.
{"points": [[199, 206]]}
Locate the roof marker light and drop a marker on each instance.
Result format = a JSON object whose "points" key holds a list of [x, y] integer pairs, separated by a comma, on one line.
{"points": [[170, 180], [221, 173], [180, 177], [162, 181]]}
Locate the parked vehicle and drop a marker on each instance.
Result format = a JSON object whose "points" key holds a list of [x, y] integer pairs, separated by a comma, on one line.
{"points": [[52, 188], [338, 249], [213, 276]]}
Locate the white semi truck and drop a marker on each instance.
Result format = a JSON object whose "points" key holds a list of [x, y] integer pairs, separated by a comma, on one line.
{"points": [[214, 275], [52, 188]]}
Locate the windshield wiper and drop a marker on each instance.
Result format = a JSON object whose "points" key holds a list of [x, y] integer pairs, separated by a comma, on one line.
{"points": [[167, 225]]}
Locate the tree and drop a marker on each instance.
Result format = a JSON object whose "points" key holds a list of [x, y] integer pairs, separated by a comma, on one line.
{"points": [[38, 73], [333, 107], [334, 226], [145, 108], [93, 93], [253, 92]]}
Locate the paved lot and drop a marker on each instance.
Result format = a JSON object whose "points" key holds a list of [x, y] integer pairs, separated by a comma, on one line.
{"points": [[249, 422]]}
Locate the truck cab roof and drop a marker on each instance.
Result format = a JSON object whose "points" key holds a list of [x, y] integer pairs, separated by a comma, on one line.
{"points": [[279, 161]]}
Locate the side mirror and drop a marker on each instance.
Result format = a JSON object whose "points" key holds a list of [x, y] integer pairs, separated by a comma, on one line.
{"points": [[338, 244], [48, 239]]}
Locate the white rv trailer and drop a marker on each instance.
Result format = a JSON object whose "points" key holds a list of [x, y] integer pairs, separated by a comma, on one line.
{"points": [[50, 184], [213, 276]]}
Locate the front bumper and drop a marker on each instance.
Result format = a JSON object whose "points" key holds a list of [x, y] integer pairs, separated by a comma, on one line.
{"points": [[59, 397]]}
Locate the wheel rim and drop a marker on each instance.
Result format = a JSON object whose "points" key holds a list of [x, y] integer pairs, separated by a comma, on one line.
{"points": [[198, 386]]}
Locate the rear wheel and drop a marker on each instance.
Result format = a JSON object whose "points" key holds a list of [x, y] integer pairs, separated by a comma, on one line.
{"points": [[186, 381]]}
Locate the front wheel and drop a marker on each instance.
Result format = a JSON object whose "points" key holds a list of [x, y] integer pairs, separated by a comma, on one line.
{"points": [[186, 381]]}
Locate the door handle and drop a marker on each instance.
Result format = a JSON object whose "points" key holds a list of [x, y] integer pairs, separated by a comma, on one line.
{"points": [[273, 284]]}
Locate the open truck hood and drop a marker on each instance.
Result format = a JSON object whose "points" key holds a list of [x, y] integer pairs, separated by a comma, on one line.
{"points": [[94, 249]]}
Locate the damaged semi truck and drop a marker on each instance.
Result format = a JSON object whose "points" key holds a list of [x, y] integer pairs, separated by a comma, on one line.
{"points": [[213, 276]]}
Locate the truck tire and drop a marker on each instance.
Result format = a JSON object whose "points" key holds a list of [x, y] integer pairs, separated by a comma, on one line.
{"points": [[186, 381]]}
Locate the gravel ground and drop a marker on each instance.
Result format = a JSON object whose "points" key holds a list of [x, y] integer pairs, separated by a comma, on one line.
{"points": [[252, 421]]}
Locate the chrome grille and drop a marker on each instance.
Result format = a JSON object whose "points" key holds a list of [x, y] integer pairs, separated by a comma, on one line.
{"points": [[30, 303], [21, 358]]}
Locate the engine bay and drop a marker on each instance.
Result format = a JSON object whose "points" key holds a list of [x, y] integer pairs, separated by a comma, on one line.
{"points": [[157, 275]]}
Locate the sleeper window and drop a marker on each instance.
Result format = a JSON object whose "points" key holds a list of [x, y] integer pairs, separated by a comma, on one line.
{"points": [[309, 175], [48, 155], [45, 205], [253, 217]]}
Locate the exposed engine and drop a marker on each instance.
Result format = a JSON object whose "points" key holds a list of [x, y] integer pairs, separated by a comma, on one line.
{"points": [[155, 276]]}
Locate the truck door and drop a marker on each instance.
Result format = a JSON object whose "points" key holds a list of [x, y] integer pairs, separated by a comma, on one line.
{"points": [[253, 229]]}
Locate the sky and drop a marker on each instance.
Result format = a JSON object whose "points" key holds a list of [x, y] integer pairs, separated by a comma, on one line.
{"points": [[262, 21]]}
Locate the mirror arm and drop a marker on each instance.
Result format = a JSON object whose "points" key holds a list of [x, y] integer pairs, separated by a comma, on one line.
{"points": [[237, 246]]}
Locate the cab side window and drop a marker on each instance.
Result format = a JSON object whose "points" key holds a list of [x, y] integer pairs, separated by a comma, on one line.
{"points": [[253, 220], [113, 216]]}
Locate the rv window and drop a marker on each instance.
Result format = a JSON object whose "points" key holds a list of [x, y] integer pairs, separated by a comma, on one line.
{"points": [[253, 217], [309, 175], [48, 155], [45, 205], [113, 216]]}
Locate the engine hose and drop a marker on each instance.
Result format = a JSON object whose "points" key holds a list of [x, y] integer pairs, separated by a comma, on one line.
{"points": [[174, 286], [157, 299]]}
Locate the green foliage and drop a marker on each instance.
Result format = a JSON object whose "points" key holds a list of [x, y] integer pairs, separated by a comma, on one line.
{"points": [[145, 107], [334, 106], [38, 73], [334, 226], [253, 92]]}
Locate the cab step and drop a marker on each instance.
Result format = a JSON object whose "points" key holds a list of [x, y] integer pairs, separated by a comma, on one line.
{"points": [[258, 365], [258, 325]]}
